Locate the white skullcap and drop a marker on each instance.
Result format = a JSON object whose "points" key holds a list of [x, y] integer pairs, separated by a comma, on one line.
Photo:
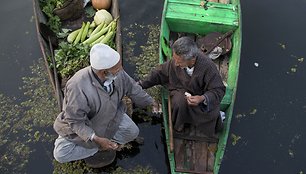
{"points": [[103, 57]]}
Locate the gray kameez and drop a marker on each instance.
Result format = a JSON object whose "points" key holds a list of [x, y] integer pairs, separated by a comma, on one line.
{"points": [[89, 109]]}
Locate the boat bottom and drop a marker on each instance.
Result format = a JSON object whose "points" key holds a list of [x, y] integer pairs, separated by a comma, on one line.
{"points": [[194, 153]]}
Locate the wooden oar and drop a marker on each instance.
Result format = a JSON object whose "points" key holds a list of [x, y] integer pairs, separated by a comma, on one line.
{"points": [[170, 124]]}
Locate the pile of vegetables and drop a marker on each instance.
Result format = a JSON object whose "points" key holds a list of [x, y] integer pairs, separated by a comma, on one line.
{"points": [[71, 58], [101, 30], [47, 7], [73, 54]]}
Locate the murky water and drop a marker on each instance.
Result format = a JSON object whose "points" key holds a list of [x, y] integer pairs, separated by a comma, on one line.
{"points": [[271, 99], [269, 112]]}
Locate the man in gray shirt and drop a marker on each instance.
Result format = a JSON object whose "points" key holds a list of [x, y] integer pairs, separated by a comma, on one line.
{"points": [[93, 122]]}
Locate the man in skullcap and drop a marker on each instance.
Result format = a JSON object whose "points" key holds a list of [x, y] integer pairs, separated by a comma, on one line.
{"points": [[93, 122]]}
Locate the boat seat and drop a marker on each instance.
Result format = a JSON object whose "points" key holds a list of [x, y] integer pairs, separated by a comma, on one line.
{"points": [[192, 17]]}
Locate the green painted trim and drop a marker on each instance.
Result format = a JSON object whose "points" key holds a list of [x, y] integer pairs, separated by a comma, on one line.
{"points": [[232, 83]]}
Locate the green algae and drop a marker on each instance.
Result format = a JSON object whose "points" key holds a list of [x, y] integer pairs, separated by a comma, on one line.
{"points": [[27, 123], [23, 123], [148, 58], [235, 139]]}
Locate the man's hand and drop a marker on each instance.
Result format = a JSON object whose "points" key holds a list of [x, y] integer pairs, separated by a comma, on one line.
{"points": [[105, 144], [156, 108], [195, 100]]}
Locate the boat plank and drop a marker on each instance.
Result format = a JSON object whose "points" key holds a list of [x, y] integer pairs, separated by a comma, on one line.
{"points": [[179, 152], [201, 156]]}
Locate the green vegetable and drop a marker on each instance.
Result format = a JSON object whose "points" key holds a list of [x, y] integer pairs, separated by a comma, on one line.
{"points": [[94, 37], [97, 29], [89, 32], [92, 25], [73, 35], [53, 21], [97, 41], [107, 37], [78, 38], [84, 33], [71, 58], [102, 16]]}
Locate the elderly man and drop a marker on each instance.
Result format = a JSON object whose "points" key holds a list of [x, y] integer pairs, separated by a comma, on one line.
{"points": [[195, 87], [93, 122]]}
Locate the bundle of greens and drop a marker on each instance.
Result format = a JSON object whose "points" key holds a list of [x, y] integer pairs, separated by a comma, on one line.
{"points": [[47, 7], [71, 58]]}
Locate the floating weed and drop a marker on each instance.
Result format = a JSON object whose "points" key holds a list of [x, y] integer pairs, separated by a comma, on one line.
{"points": [[238, 116], [253, 111], [75, 167], [235, 139], [293, 69], [21, 123], [283, 46], [148, 58], [295, 138], [300, 59], [136, 170], [291, 153]]}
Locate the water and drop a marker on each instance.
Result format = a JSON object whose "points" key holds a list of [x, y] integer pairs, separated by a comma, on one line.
{"points": [[272, 139], [19, 45], [270, 106]]}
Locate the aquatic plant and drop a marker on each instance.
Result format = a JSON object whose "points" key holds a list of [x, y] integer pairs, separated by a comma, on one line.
{"points": [[148, 58], [25, 124]]}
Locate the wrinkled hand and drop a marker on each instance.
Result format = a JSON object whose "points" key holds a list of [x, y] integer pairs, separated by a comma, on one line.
{"points": [[105, 144], [195, 100]]}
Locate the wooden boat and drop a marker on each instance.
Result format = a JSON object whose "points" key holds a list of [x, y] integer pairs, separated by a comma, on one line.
{"points": [[48, 51], [197, 18]]}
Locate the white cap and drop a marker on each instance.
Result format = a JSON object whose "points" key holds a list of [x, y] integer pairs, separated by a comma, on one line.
{"points": [[103, 57]]}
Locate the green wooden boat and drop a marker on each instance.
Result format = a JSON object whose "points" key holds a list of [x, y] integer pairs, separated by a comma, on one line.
{"points": [[199, 18]]}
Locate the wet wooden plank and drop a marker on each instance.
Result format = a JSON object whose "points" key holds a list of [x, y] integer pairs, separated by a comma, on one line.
{"points": [[179, 152], [211, 152], [194, 156], [201, 156]]}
